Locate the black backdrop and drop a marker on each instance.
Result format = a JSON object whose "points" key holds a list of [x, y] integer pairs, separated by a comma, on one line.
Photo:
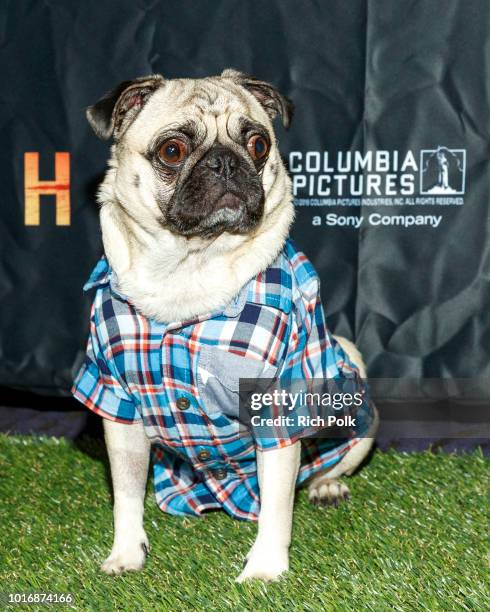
{"points": [[391, 132]]}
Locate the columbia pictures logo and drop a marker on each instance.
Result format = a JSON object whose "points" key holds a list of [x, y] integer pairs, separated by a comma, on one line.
{"points": [[442, 171]]}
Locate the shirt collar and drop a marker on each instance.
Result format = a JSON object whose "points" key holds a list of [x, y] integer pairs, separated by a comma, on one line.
{"points": [[272, 287], [100, 275]]}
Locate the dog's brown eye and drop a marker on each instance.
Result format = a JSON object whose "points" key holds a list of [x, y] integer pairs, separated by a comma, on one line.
{"points": [[172, 151], [258, 147]]}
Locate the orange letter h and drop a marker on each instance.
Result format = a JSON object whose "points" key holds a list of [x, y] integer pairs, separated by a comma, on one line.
{"points": [[34, 188]]}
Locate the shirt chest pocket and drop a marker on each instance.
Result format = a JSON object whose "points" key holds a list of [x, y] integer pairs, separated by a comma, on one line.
{"points": [[219, 373]]}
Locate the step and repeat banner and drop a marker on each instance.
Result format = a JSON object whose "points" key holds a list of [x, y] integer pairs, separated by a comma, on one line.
{"points": [[388, 153]]}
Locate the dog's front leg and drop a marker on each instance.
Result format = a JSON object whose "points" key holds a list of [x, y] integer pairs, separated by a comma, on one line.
{"points": [[129, 452], [277, 473]]}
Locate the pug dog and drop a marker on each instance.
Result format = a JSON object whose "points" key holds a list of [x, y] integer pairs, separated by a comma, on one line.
{"points": [[195, 206]]}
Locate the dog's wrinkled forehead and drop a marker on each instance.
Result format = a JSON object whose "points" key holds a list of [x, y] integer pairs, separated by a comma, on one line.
{"points": [[210, 110]]}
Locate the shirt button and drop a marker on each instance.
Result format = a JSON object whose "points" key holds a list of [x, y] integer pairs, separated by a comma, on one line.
{"points": [[183, 403], [219, 474], [203, 455]]}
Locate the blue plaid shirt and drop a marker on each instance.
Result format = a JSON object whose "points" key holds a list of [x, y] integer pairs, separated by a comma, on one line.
{"points": [[181, 380]]}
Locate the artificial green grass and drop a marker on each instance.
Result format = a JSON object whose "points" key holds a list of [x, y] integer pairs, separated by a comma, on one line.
{"points": [[413, 537]]}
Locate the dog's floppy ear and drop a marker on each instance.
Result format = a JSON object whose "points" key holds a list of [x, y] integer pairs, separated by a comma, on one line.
{"points": [[113, 113], [273, 102]]}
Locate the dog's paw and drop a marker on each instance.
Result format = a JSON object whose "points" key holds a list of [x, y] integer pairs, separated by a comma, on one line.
{"points": [[127, 557], [325, 491], [265, 564]]}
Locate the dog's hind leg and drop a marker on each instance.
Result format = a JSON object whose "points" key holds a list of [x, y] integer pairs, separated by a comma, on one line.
{"points": [[324, 489], [128, 447]]}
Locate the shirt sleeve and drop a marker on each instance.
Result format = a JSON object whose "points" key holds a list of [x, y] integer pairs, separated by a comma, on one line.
{"points": [[313, 351], [315, 363], [97, 384], [308, 355]]}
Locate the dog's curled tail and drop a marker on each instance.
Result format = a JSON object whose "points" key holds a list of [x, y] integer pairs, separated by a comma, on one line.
{"points": [[353, 354]]}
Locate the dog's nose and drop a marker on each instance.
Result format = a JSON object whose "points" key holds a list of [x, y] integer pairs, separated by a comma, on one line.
{"points": [[222, 161]]}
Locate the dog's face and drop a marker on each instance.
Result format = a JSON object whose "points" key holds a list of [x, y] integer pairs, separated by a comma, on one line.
{"points": [[197, 156]]}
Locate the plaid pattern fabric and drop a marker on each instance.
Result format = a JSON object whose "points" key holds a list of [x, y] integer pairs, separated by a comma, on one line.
{"points": [[181, 380]]}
